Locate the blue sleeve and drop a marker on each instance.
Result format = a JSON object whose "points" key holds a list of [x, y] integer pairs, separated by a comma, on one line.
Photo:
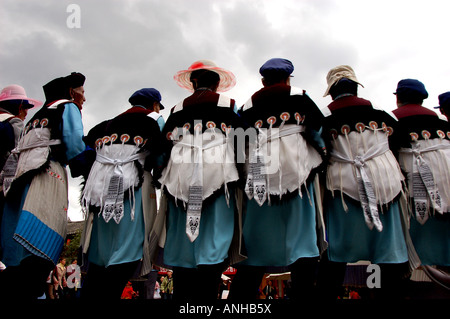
{"points": [[317, 137], [72, 131], [161, 123]]}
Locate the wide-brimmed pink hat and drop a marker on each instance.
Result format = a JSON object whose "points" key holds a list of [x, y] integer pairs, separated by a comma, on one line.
{"points": [[227, 78], [16, 92]]}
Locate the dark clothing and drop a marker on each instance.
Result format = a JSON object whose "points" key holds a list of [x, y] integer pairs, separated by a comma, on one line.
{"points": [[201, 107], [132, 123], [26, 281], [348, 112], [50, 117], [207, 290], [274, 101], [107, 283], [7, 138], [128, 127], [413, 118]]}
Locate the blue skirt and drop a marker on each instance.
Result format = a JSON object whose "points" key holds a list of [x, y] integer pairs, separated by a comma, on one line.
{"points": [[282, 232], [432, 240], [13, 252], [214, 239], [350, 240], [112, 243]]}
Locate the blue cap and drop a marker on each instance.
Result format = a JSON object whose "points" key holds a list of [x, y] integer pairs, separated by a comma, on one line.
{"points": [[276, 66], [146, 97], [411, 86], [444, 100]]}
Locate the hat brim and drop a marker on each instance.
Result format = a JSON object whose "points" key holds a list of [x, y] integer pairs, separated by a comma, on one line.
{"points": [[227, 78], [35, 103], [331, 84]]}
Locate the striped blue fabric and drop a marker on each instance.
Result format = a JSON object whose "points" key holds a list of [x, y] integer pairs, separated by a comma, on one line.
{"points": [[38, 238]]}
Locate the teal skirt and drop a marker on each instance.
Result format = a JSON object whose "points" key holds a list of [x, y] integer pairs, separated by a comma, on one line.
{"points": [[215, 233], [112, 243], [350, 240], [279, 233], [432, 240], [13, 252]]}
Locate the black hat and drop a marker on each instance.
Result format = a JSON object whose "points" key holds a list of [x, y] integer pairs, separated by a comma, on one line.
{"points": [[75, 79], [57, 89]]}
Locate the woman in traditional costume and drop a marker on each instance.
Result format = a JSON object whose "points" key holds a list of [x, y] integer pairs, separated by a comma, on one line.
{"points": [[119, 198], [364, 185], [36, 193], [424, 156], [280, 218], [199, 181], [14, 106]]}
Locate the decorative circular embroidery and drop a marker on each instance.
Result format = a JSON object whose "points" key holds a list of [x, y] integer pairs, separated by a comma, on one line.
{"points": [[448, 134], [124, 138], [106, 139], [44, 122], [360, 127], [114, 137], [258, 124], [138, 140], [198, 127], [272, 120], [426, 135], [345, 129], [35, 123], [169, 135], [223, 126], [210, 124], [373, 125], [187, 126], [98, 142], [334, 133], [389, 130], [414, 136], [285, 116], [299, 118], [440, 133]]}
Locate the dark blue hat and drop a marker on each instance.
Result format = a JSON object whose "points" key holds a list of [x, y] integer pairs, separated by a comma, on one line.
{"points": [[413, 87], [146, 97], [276, 66], [444, 100]]}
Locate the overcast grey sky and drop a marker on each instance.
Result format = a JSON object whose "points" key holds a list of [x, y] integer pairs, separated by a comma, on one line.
{"points": [[122, 46]]}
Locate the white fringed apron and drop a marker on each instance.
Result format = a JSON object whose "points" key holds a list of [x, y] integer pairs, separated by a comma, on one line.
{"points": [[112, 173], [363, 167], [199, 165], [427, 164], [280, 162]]}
